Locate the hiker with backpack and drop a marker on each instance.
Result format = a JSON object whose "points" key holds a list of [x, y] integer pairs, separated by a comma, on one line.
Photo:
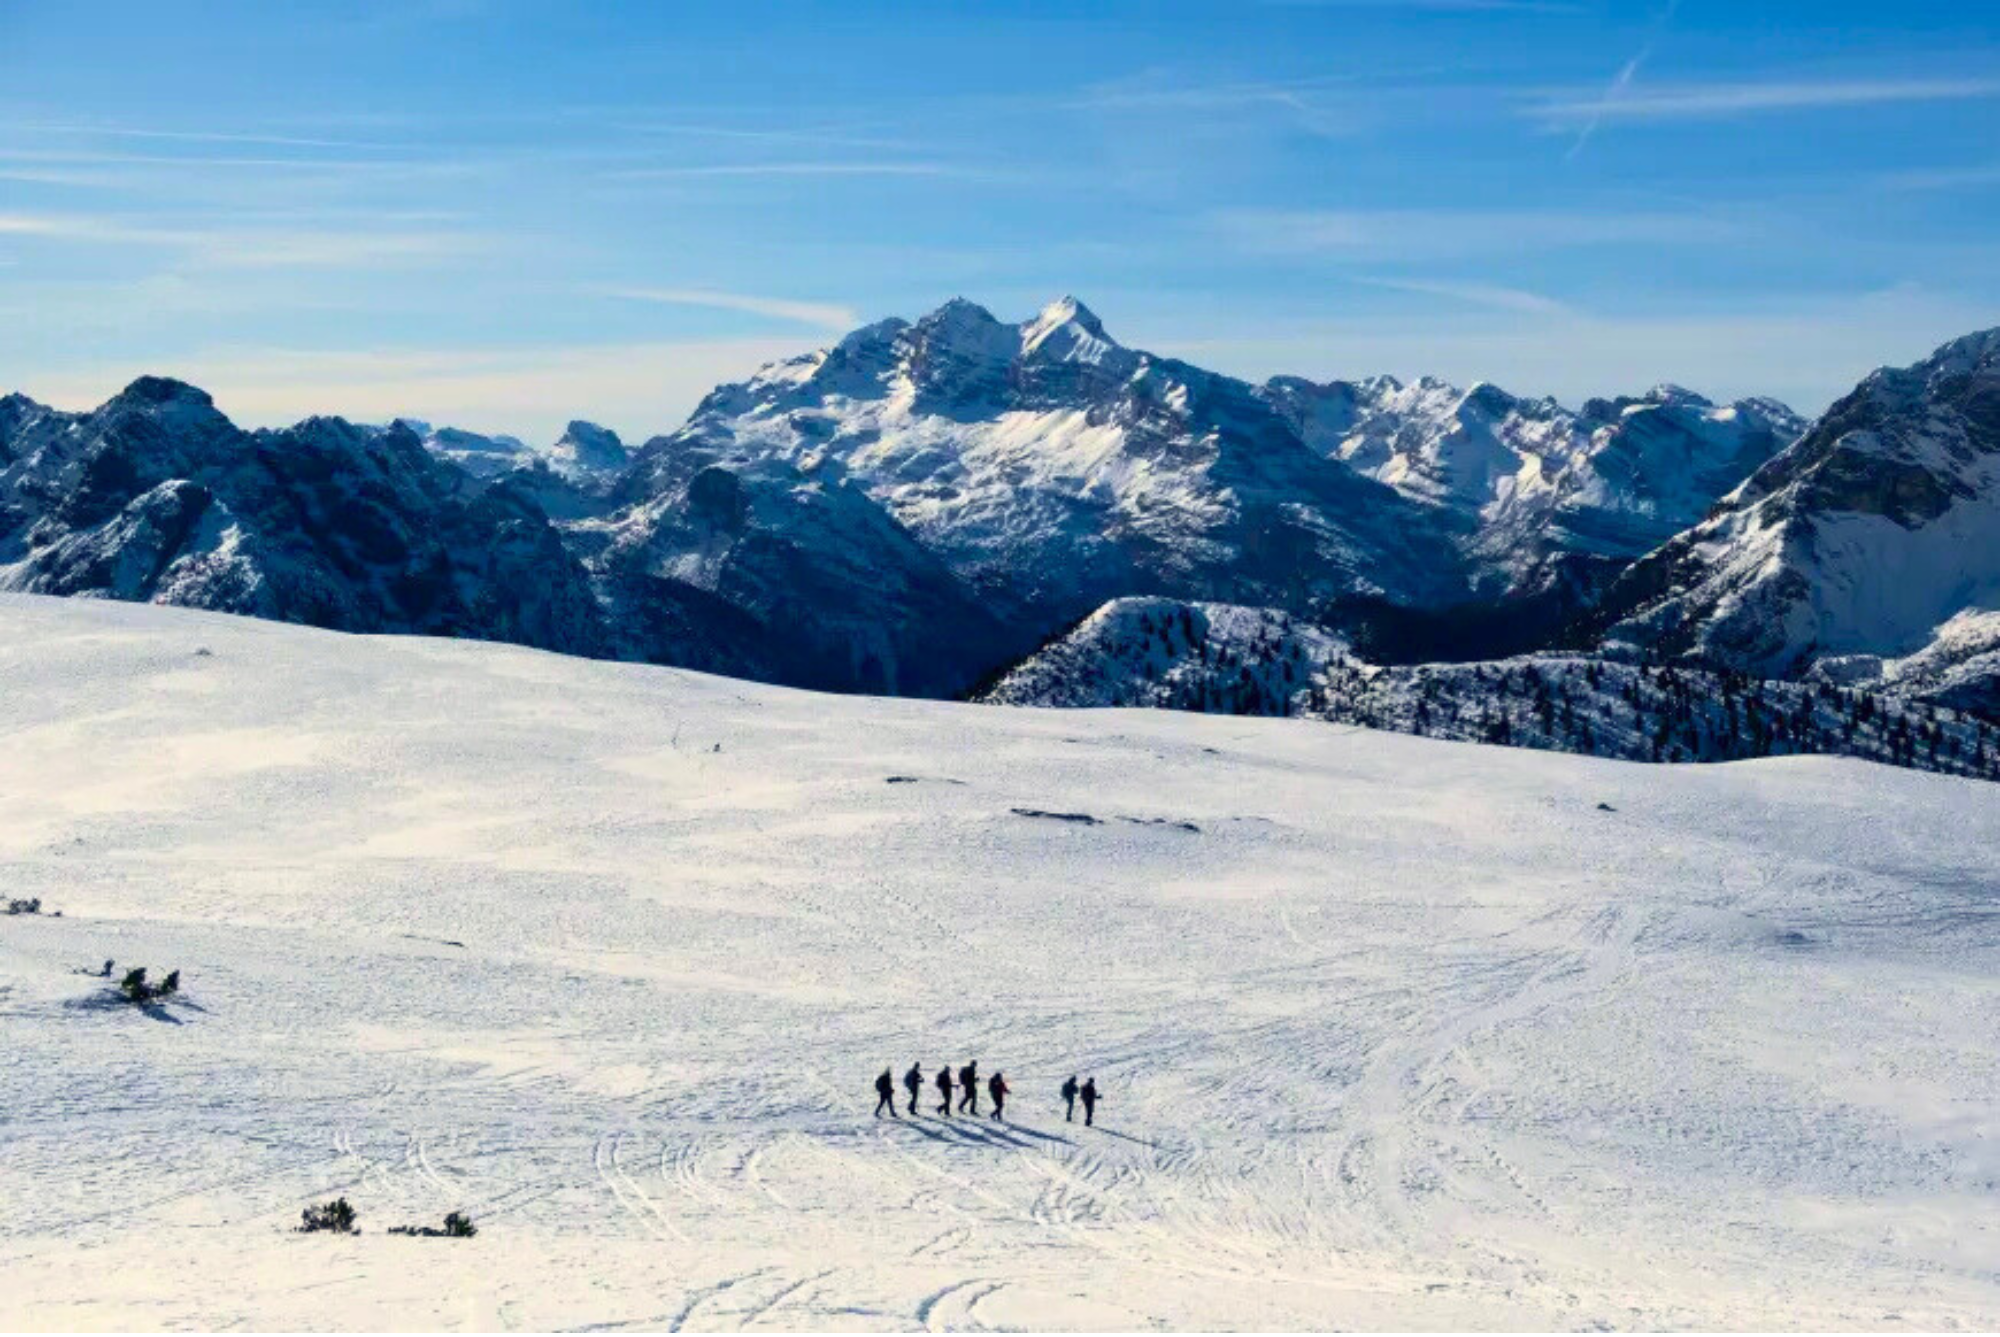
{"points": [[913, 1082], [1089, 1094], [944, 1089], [1069, 1095], [968, 1087], [996, 1086], [885, 1095]]}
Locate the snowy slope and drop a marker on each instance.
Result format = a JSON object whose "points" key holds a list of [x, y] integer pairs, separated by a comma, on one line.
{"points": [[480, 455], [1262, 661], [1394, 1032], [1877, 535]]}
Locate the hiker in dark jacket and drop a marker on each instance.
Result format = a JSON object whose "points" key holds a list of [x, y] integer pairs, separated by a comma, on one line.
{"points": [[996, 1086], [1069, 1094], [913, 1082], [968, 1087], [885, 1094], [1089, 1094], [944, 1089]]}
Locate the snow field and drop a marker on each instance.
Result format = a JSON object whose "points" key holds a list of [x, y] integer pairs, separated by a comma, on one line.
{"points": [[1404, 1034]]}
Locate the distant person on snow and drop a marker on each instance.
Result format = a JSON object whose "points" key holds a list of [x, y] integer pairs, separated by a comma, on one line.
{"points": [[1069, 1095], [913, 1082], [968, 1087], [885, 1095], [996, 1086], [1089, 1094], [944, 1089]]}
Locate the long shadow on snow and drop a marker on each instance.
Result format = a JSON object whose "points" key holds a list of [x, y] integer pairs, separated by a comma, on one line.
{"points": [[979, 1134], [993, 1135], [110, 1001], [1111, 1132]]}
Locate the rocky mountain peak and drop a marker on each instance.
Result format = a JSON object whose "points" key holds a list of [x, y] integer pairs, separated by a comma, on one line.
{"points": [[160, 391], [584, 447]]}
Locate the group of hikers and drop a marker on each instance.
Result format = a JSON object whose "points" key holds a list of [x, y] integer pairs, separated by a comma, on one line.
{"points": [[967, 1086]]}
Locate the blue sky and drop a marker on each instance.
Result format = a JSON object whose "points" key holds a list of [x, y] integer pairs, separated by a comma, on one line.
{"points": [[506, 213]]}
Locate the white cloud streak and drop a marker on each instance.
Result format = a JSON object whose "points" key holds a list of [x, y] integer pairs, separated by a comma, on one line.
{"points": [[1708, 101], [1443, 234], [1619, 83], [783, 169], [1489, 295], [251, 248], [821, 315], [186, 136], [639, 389], [1614, 93], [1441, 6], [1943, 178]]}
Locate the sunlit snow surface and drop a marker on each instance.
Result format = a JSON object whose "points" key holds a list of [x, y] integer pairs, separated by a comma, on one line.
{"points": [[1404, 1033]]}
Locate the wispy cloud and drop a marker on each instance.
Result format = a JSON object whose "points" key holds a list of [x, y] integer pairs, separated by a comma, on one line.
{"points": [[824, 138], [186, 136], [1614, 93], [805, 167], [184, 162], [1442, 234], [250, 247], [1943, 178], [1707, 101], [822, 315], [1493, 296], [1615, 90], [1441, 6], [1307, 103], [637, 388]]}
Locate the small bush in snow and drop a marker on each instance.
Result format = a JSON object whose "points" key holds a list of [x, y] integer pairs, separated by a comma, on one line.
{"points": [[457, 1226], [335, 1217]]}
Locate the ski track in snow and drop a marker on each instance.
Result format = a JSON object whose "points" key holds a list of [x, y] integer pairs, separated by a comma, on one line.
{"points": [[1410, 1034]]}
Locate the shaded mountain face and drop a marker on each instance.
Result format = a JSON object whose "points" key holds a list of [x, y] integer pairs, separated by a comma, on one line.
{"points": [[1049, 467], [1217, 659], [824, 589], [156, 496], [1869, 552]]}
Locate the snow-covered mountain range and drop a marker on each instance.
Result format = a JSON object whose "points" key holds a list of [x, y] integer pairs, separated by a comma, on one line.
{"points": [[917, 508], [1052, 468], [1544, 493], [156, 496], [1868, 553]]}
